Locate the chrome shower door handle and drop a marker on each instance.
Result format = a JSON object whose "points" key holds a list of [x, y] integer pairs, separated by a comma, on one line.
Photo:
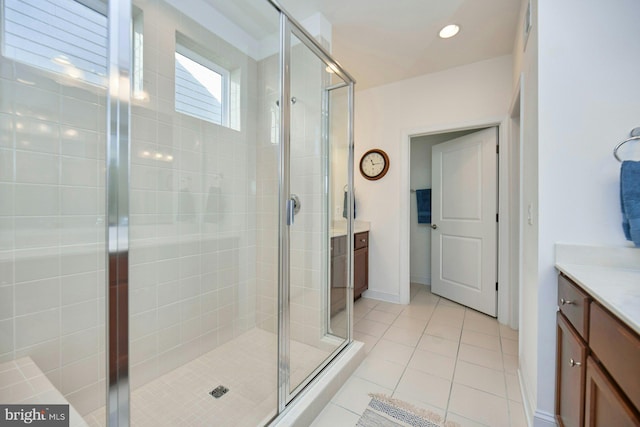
{"points": [[290, 211], [292, 207]]}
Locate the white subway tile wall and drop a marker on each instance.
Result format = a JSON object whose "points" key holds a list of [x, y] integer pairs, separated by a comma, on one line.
{"points": [[52, 226], [203, 221], [193, 222]]}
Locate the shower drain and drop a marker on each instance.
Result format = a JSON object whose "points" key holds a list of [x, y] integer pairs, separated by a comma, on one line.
{"points": [[219, 391]]}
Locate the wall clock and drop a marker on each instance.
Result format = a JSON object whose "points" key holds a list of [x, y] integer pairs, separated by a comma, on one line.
{"points": [[374, 164]]}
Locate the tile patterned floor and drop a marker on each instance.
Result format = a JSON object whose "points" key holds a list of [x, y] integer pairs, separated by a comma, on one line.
{"points": [[246, 365], [434, 354], [22, 382]]}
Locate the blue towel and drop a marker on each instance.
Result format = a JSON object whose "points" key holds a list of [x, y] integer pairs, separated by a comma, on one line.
{"points": [[424, 206], [630, 200]]}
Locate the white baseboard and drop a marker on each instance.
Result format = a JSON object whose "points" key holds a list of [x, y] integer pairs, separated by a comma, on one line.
{"points": [[544, 419], [381, 296], [534, 417], [423, 280], [527, 399]]}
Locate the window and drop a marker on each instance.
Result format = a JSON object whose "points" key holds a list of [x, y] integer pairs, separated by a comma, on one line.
{"points": [[63, 36], [202, 87], [137, 64], [67, 37]]}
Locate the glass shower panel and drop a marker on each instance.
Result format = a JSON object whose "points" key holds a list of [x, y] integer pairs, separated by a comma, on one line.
{"points": [[311, 341], [53, 91], [337, 135], [204, 213]]}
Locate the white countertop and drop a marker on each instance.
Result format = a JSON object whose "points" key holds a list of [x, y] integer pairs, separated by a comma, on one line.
{"points": [[610, 275], [339, 228]]}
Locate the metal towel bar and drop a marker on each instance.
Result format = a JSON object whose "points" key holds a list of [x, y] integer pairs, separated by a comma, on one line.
{"points": [[635, 135]]}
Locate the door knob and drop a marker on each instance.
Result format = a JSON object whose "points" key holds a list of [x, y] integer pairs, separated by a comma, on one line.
{"points": [[434, 226]]}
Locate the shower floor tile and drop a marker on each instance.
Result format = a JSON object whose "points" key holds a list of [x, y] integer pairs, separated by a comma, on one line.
{"points": [[246, 365]]}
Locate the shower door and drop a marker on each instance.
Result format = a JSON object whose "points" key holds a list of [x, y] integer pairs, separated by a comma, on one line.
{"points": [[230, 201], [313, 333], [203, 216]]}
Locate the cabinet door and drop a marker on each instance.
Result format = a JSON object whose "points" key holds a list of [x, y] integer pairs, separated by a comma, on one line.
{"points": [[570, 375], [360, 271], [617, 348], [605, 406]]}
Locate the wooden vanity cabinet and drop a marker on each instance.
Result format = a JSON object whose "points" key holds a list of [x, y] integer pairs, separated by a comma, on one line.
{"points": [[360, 264], [573, 303], [604, 404], [338, 274], [339, 269], [616, 347], [570, 371], [597, 363]]}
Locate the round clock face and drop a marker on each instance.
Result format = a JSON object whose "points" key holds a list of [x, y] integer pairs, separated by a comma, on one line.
{"points": [[374, 164]]}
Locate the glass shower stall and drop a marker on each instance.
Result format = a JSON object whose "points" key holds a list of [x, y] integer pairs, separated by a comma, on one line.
{"points": [[170, 173]]}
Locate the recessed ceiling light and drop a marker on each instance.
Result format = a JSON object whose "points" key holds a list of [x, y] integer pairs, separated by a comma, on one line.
{"points": [[449, 31]]}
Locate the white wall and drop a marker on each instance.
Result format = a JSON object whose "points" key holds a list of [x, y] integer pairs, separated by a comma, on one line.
{"points": [[587, 73], [474, 93], [526, 66], [589, 78]]}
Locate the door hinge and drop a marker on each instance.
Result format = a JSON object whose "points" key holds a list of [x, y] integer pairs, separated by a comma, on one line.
{"points": [[496, 286], [497, 149], [496, 217]]}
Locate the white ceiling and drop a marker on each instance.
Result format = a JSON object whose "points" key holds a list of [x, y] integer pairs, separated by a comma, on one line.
{"points": [[382, 41]]}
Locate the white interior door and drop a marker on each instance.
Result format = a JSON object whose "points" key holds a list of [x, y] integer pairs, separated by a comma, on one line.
{"points": [[464, 208]]}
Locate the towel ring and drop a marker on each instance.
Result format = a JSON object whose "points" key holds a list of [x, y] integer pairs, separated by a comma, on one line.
{"points": [[615, 150]]}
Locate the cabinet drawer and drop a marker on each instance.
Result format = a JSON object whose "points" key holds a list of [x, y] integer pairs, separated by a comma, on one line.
{"points": [[618, 349], [361, 240], [573, 303], [570, 374]]}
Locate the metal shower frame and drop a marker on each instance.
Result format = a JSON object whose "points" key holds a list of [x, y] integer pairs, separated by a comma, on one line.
{"points": [[117, 206]]}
